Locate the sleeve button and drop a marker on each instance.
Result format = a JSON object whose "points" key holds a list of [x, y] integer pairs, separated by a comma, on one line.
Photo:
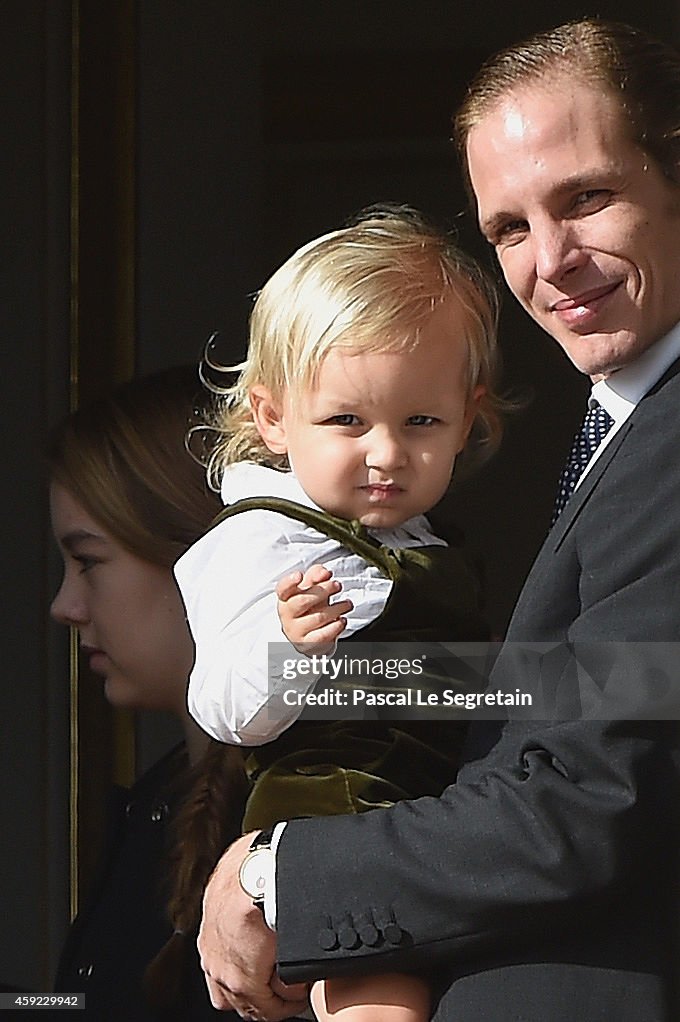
{"points": [[348, 937], [369, 935], [393, 933], [328, 939]]}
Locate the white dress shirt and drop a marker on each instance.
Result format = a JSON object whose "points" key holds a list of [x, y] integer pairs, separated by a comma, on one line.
{"points": [[620, 392], [228, 581]]}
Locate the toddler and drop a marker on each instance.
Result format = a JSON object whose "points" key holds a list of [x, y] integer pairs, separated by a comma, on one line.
{"points": [[371, 356]]}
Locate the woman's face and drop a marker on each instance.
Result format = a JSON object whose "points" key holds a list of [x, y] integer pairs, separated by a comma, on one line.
{"points": [[128, 612]]}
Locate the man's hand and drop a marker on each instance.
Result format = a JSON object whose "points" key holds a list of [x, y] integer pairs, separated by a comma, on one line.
{"points": [[238, 950], [309, 621]]}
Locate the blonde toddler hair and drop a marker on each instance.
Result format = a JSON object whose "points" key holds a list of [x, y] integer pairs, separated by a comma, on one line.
{"points": [[369, 287]]}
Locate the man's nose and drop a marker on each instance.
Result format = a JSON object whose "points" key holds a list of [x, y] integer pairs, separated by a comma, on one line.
{"points": [[557, 250]]}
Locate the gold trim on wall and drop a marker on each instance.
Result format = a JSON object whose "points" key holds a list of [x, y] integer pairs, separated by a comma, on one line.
{"points": [[75, 209], [74, 763], [74, 771], [102, 353]]}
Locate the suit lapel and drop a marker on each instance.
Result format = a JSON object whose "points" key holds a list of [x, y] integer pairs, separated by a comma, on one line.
{"points": [[583, 493], [542, 570]]}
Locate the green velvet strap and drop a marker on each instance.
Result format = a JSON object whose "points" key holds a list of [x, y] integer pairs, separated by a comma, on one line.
{"points": [[352, 535]]}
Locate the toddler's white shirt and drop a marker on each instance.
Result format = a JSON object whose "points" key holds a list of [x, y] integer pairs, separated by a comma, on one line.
{"points": [[228, 583]]}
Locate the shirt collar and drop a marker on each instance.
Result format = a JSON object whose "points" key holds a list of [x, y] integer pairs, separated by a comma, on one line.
{"points": [[248, 479], [621, 392]]}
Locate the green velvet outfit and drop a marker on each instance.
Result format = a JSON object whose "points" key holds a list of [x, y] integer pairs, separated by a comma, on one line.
{"points": [[328, 767]]}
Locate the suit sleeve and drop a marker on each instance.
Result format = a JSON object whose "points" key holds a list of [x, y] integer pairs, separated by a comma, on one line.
{"points": [[554, 819]]}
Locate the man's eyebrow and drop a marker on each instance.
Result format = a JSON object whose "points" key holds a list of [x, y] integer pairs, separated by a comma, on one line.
{"points": [[76, 536], [584, 179], [492, 224]]}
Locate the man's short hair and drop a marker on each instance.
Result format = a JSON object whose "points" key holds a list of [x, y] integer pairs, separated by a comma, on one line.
{"points": [[641, 71]]}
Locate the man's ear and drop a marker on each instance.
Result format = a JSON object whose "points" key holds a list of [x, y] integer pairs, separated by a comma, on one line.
{"points": [[268, 419]]}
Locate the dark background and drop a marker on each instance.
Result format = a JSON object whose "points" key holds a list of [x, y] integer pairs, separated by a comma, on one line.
{"points": [[160, 159]]}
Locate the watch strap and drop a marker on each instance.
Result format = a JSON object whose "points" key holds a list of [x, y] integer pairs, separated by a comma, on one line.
{"points": [[262, 840]]}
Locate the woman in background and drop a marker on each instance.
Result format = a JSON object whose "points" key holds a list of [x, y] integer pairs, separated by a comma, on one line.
{"points": [[126, 500]]}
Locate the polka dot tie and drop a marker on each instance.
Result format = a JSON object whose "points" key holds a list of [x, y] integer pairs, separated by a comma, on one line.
{"points": [[595, 426]]}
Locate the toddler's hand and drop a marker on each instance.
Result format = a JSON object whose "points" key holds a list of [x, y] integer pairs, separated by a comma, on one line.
{"points": [[309, 621]]}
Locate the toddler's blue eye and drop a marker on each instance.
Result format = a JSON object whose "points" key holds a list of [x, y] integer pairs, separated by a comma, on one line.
{"points": [[345, 420]]}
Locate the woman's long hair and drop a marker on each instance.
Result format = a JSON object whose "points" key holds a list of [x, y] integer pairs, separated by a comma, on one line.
{"points": [[124, 457]]}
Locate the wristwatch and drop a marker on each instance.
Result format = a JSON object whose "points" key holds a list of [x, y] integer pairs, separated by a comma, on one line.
{"points": [[257, 868]]}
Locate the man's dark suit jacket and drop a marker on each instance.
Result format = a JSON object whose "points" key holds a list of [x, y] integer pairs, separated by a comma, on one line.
{"points": [[543, 884]]}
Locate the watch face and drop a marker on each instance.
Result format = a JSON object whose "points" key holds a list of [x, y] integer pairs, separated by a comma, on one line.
{"points": [[254, 872]]}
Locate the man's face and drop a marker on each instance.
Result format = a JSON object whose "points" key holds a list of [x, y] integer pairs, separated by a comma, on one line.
{"points": [[585, 226]]}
